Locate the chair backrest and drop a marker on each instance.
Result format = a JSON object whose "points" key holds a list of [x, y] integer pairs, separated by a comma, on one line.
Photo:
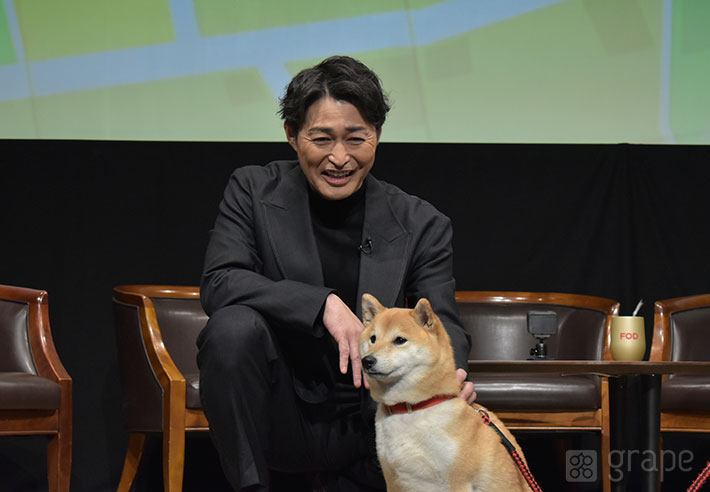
{"points": [[180, 321], [156, 327], [497, 323], [15, 351], [682, 329]]}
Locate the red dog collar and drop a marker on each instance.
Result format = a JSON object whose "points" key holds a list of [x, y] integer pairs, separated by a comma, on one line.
{"points": [[409, 407]]}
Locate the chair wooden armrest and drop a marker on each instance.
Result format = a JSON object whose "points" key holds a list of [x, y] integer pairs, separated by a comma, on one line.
{"points": [[43, 351]]}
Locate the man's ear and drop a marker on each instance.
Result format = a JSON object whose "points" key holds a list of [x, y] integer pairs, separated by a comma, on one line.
{"points": [[370, 308], [423, 314], [291, 135]]}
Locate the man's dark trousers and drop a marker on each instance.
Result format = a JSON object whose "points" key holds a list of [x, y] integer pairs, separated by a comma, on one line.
{"points": [[257, 421]]}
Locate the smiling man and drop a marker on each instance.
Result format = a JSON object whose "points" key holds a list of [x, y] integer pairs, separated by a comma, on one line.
{"points": [[336, 148], [294, 247]]}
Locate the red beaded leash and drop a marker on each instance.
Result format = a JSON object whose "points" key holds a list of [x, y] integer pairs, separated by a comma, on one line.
{"points": [[511, 449], [698, 483]]}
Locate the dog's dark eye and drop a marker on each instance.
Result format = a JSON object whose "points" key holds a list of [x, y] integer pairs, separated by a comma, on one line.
{"points": [[373, 338], [400, 341]]}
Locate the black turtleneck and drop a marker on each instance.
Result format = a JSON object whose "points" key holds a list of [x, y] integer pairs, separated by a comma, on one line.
{"points": [[337, 226]]}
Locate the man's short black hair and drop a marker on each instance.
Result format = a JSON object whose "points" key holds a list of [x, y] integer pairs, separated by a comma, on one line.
{"points": [[342, 78]]}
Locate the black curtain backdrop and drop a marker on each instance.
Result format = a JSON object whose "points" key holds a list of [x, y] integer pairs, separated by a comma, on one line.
{"points": [[626, 222]]}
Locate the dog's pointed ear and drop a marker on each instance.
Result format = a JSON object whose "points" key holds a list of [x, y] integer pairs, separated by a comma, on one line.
{"points": [[370, 308], [423, 314]]}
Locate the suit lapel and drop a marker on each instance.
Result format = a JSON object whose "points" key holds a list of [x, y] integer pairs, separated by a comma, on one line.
{"points": [[291, 235], [290, 230], [382, 271]]}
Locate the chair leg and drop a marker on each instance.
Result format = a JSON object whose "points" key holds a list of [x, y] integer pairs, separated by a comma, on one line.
{"points": [[59, 456], [605, 437], [173, 459], [136, 446], [606, 466]]}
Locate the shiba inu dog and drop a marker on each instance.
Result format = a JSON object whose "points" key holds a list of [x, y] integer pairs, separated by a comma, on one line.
{"points": [[427, 438]]}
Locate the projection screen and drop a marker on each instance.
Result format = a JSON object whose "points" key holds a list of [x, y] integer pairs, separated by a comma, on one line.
{"points": [[567, 71]]}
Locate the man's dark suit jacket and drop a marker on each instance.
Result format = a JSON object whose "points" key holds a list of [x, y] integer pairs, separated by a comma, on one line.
{"points": [[262, 254]]}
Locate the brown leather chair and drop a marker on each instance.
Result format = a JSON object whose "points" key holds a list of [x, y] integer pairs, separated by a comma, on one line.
{"points": [[681, 331], [156, 329], [35, 389], [497, 323]]}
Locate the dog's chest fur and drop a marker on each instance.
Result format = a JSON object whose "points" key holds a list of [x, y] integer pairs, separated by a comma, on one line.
{"points": [[417, 447]]}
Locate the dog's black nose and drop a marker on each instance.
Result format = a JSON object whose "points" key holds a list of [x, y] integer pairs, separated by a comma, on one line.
{"points": [[368, 362]]}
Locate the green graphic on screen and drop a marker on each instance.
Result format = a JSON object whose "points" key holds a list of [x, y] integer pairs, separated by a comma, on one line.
{"points": [[567, 71], [7, 51]]}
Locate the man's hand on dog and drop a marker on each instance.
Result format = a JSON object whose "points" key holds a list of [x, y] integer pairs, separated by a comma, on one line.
{"points": [[345, 328], [467, 392]]}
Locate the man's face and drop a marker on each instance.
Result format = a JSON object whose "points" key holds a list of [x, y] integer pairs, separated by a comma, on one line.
{"points": [[335, 147]]}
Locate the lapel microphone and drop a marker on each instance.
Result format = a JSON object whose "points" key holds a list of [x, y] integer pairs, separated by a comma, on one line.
{"points": [[366, 246]]}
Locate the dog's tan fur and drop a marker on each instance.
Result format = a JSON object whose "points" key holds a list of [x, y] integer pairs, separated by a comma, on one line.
{"points": [[445, 447]]}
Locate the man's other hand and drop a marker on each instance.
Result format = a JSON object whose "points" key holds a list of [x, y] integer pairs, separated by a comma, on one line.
{"points": [[345, 328], [467, 390]]}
